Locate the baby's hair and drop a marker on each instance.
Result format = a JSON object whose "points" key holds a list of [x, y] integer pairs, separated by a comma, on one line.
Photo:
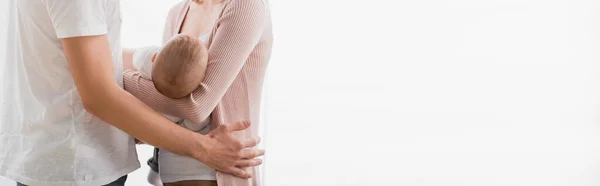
{"points": [[180, 66]]}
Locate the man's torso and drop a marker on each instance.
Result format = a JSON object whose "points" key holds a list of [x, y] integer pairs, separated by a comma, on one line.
{"points": [[48, 138]]}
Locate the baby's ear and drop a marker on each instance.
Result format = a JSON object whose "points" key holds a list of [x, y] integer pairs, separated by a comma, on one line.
{"points": [[153, 57]]}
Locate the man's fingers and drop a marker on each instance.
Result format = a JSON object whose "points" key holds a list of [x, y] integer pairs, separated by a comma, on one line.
{"points": [[237, 126], [248, 163], [238, 172], [248, 143], [251, 153]]}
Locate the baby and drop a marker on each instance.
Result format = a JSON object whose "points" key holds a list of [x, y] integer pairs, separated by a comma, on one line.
{"points": [[177, 68]]}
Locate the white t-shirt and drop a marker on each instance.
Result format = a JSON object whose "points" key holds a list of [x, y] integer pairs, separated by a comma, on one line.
{"points": [[46, 136]]}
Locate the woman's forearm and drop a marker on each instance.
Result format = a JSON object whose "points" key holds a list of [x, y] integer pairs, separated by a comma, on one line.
{"points": [[143, 89]]}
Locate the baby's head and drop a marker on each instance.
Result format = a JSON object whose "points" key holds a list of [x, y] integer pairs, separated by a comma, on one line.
{"points": [[180, 66]]}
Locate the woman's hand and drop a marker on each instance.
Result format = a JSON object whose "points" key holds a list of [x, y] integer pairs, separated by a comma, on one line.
{"points": [[226, 153]]}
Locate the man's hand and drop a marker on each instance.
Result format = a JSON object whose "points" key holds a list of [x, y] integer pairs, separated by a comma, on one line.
{"points": [[226, 153]]}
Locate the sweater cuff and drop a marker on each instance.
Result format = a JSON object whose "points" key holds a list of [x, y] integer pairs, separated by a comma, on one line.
{"points": [[131, 80]]}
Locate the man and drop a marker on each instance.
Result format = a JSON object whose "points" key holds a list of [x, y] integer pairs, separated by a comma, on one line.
{"points": [[65, 118]]}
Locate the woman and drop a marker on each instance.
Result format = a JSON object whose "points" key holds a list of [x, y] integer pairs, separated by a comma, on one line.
{"points": [[239, 38]]}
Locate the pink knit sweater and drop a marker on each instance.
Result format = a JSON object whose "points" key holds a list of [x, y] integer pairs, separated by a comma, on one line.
{"points": [[239, 50]]}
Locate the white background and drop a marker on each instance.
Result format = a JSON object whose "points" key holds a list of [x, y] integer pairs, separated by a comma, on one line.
{"points": [[422, 93]]}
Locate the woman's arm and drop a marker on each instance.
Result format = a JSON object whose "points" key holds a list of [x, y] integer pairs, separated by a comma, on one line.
{"points": [[241, 27]]}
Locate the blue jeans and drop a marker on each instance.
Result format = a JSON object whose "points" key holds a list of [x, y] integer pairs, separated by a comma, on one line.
{"points": [[119, 182]]}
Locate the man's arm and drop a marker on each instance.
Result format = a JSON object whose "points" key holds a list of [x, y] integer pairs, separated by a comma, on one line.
{"points": [[91, 66]]}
